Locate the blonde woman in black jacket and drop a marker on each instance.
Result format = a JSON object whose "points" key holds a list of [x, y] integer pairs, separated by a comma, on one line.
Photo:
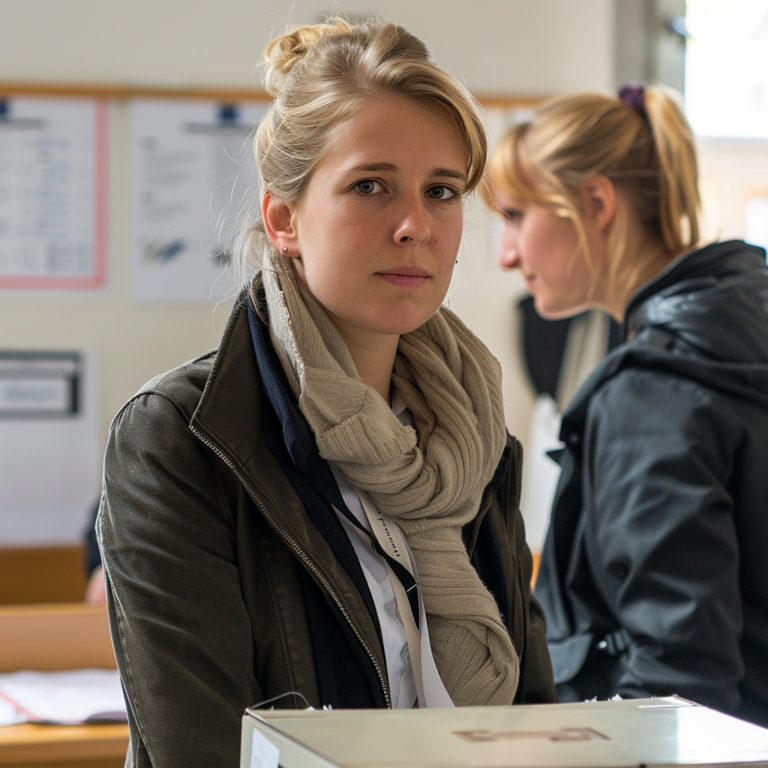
{"points": [[653, 577], [328, 504]]}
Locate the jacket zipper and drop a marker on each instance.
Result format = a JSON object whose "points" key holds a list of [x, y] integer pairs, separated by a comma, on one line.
{"points": [[294, 545]]}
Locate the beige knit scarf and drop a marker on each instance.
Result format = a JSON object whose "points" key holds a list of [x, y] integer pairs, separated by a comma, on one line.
{"points": [[430, 479]]}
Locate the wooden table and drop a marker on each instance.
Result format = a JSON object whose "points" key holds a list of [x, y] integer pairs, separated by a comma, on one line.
{"points": [[63, 746], [54, 637], [41, 575]]}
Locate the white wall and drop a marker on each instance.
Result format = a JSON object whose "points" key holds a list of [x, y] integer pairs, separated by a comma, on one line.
{"points": [[498, 46], [732, 171], [531, 46]]}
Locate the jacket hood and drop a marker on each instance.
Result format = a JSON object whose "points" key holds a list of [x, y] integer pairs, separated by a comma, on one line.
{"points": [[704, 317], [715, 300]]}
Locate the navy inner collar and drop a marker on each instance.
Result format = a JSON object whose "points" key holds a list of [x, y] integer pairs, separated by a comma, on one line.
{"points": [[298, 436]]}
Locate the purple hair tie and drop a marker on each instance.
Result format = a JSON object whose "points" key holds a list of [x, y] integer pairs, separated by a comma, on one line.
{"points": [[633, 96]]}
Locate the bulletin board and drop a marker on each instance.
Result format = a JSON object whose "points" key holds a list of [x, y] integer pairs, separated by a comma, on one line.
{"points": [[49, 433], [192, 178]]}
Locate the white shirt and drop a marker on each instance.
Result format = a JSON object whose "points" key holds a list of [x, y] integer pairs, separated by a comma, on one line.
{"points": [[402, 685]]}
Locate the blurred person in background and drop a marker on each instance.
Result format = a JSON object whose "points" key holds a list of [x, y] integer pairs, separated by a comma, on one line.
{"points": [[652, 577], [558, 355], [95, 590]]}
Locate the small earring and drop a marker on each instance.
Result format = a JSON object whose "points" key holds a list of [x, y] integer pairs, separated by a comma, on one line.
{"points": [[285, 249], [457, 261]]}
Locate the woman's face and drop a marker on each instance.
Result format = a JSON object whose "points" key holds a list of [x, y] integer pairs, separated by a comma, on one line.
{"points": [[379, 224], [546, 249]]}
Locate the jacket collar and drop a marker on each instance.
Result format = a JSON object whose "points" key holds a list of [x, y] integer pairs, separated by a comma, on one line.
{"points": [[229, 410], [702, 268], [246, 368]]}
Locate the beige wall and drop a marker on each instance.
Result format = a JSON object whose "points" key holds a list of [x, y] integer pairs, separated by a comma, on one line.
{"points": [[503, 46]]}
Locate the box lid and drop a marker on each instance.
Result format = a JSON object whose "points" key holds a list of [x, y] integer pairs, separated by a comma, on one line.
{"points": [[664, 731]]}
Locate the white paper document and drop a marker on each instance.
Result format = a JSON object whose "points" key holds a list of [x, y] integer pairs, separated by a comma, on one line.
{"points": [[69, 698], [193, 176], [53, 194]]}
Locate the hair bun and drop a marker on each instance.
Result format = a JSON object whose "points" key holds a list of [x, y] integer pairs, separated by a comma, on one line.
{"points": [[284, 52]]}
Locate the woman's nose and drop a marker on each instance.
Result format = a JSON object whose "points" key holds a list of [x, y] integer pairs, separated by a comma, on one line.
{"points": [[509, 256], [413, 225]]}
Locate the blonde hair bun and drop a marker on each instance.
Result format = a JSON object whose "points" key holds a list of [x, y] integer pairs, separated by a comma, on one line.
{"points": [[283, 53]]}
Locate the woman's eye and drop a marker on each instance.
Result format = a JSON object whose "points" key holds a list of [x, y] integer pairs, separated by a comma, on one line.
{"points": [[368, 187], [513, 215], [441, 193]]}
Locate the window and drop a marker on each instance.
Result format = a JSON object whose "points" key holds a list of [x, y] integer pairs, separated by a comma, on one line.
{"points": [[726, 79]]}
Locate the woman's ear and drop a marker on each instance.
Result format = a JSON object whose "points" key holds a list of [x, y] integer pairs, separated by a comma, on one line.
{"points": [[280, 224], [598, 200]]}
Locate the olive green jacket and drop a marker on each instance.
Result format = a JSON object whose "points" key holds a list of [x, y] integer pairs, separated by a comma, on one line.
{"points": [[203, 536]]}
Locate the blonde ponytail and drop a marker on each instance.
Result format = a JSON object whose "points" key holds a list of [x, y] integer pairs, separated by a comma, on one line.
{"points": [[679, 177]]}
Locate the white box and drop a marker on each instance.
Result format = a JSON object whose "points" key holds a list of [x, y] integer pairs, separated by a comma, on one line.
{"points": [[638, 732]]}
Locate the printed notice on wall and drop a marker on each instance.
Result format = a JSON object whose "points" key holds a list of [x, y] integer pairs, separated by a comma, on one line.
{"points": [[53, 194], [50, 447], [193, 180]]}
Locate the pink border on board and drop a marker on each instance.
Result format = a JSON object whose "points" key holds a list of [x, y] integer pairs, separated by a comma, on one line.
{"points": [[100, 214]]}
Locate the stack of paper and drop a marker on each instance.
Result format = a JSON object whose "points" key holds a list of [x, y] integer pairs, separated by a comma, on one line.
{"points": [[72, 697]]}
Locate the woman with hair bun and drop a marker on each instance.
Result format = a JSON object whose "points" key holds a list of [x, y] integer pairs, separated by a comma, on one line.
{"points": [[324, 511], [652, 577]]}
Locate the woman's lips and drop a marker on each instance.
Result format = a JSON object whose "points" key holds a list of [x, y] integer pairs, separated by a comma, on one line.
{"points": [[405, 277]]}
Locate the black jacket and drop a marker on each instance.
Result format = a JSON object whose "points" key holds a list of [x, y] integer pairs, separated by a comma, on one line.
{"points": [[653, 577], [229, 577]]}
